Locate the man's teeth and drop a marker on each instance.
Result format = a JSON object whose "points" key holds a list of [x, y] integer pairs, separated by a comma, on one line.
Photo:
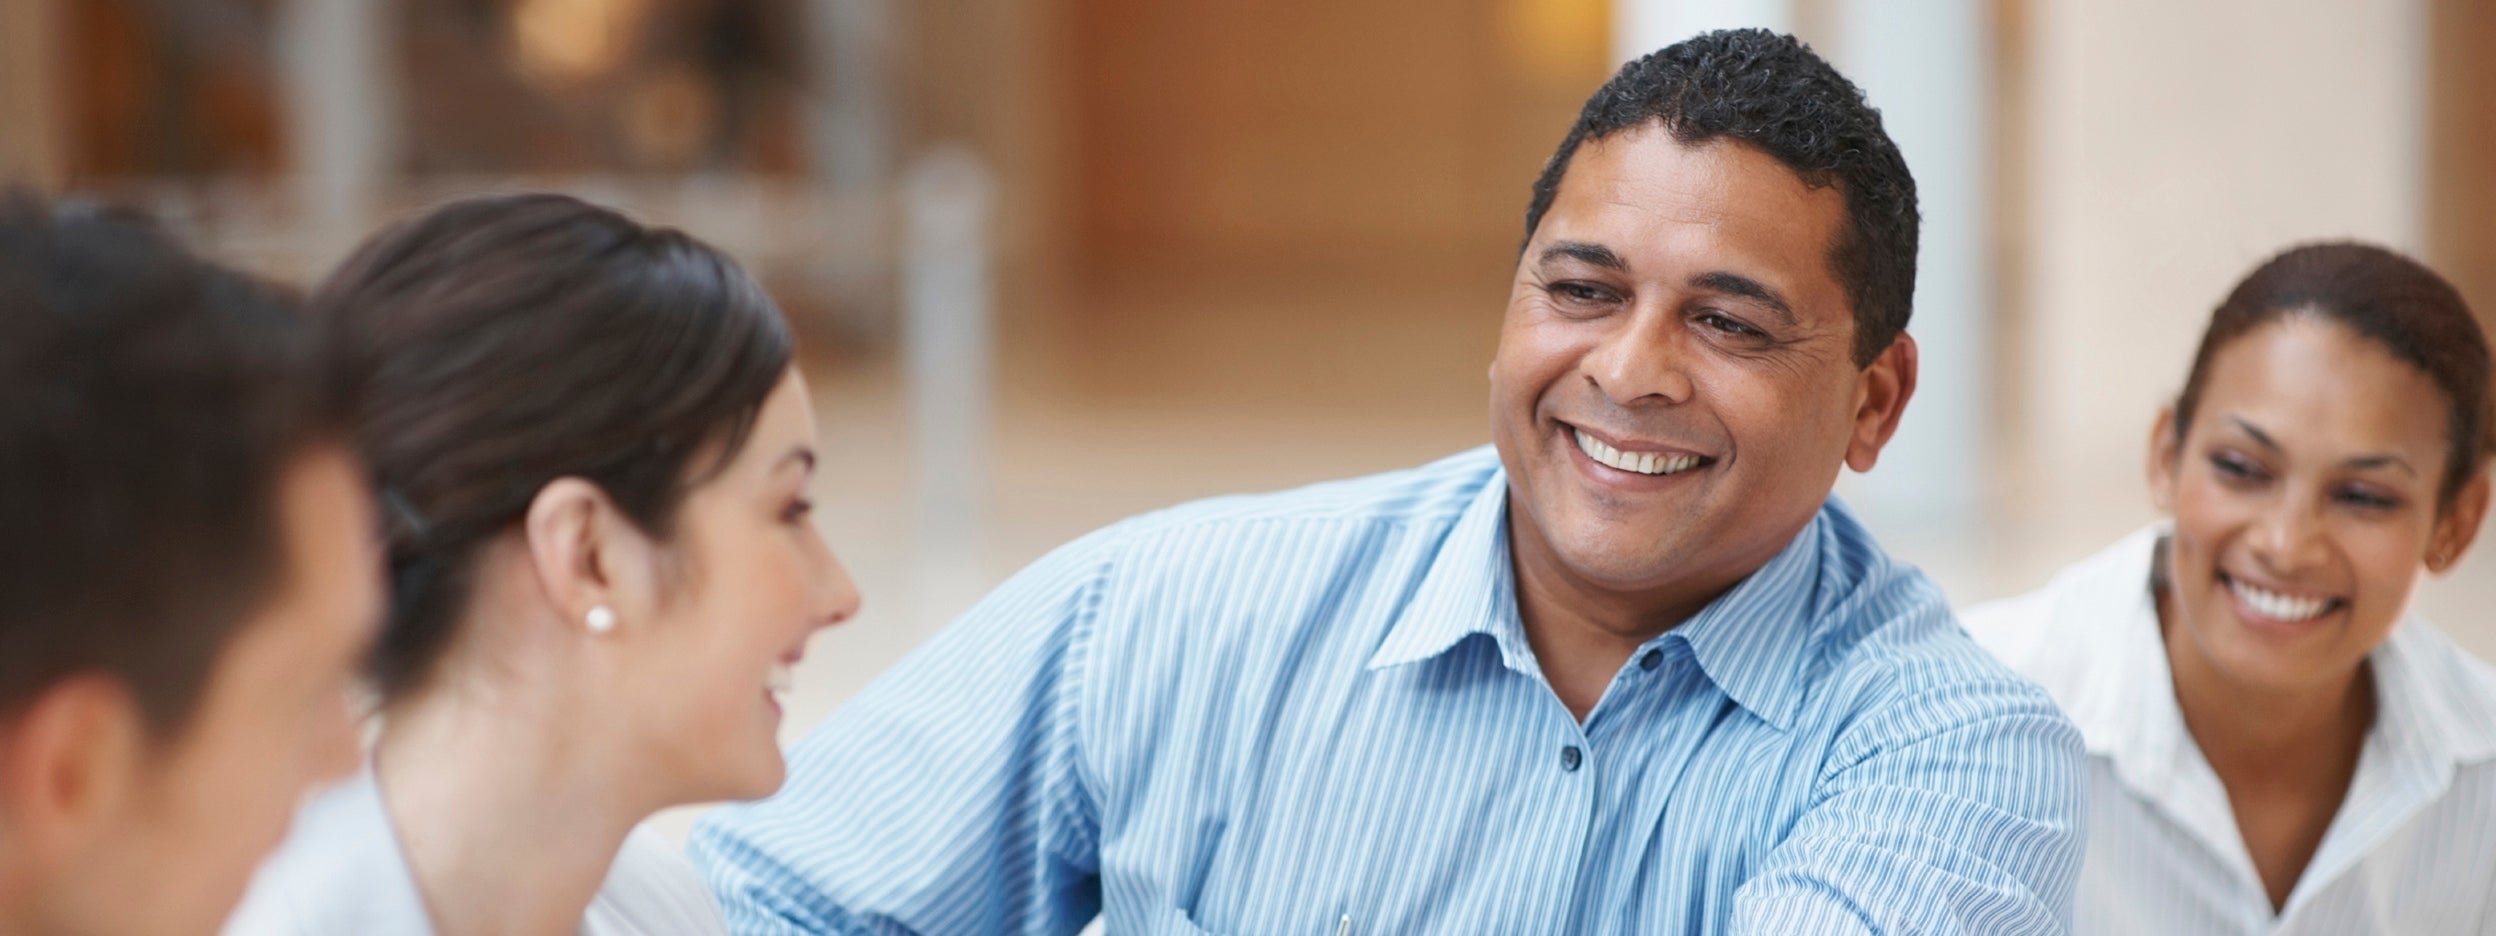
{"points": [[1647, 463], [783, 678], [2276, 606]]}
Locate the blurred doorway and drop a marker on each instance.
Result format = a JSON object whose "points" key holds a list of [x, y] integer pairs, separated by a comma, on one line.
{"points": [[1304, 201]]}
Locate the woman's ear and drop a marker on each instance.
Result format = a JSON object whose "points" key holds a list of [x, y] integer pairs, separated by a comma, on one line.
{"points": [[594, 564], [2459, 525], [2164, 448]]}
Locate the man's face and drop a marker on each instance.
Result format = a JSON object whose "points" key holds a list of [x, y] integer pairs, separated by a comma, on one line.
{"points": [[1675, 387], [174, 850]]}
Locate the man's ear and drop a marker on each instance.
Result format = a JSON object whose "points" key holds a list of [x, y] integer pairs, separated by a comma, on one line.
{"points": [[2459, 526], [587, 554], [1882, 392], [2164, 449], [69, 763]]}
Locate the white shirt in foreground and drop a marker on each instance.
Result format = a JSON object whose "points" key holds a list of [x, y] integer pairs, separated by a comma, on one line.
{"points": [[341, 873], [2411, 851]]}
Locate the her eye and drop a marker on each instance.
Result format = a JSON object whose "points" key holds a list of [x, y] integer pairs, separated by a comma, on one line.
{"points": [[797, 510], [2234, 466], [2370, 500]]}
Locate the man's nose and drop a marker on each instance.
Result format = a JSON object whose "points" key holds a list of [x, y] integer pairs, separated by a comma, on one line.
{"points": [[1641, 360]]}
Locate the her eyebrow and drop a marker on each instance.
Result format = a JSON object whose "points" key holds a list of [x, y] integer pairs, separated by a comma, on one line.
{"points": [[2361, 462], [802, 455], [2257, 434], [2385, 460]]}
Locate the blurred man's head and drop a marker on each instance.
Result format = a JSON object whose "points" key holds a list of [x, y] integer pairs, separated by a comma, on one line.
{"points": [[1706, 321], [188, 572]]}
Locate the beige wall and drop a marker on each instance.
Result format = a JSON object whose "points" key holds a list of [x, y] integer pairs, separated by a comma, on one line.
{"points": [[30, 119], [2461, 154], [2169, 147]]}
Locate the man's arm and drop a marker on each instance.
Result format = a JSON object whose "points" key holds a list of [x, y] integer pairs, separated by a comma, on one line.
{"points": [[1957, 810], [948, 797]]}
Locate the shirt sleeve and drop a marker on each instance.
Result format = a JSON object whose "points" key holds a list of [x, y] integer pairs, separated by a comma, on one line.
{"points": [[948, 796], [1961, 812]]}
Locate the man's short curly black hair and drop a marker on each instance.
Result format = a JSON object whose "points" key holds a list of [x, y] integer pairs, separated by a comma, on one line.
{"points": [[1772, 92]]}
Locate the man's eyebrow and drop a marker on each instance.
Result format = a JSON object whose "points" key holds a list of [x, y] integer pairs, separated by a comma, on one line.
{"points": [[1583, 252], [1736, 284]]}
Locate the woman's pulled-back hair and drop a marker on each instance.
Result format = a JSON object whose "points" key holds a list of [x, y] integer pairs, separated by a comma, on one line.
{"points": [[511, 341]]}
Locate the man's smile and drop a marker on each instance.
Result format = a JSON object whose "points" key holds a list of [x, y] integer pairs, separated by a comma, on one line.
{"points": [[1616, 460]]}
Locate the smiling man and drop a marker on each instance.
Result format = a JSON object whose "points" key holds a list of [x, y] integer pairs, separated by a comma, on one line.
{"points": [[1630, 671]]}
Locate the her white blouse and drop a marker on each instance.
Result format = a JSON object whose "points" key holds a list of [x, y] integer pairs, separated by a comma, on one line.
{"points": [[341, 872], [2411, 851]]}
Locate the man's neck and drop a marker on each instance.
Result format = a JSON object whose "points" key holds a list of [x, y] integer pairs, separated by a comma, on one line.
{"points": [[509, 820], [1581, 633]]}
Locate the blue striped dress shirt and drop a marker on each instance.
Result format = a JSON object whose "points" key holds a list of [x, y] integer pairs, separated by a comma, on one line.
{"points": [[1316, 712]]}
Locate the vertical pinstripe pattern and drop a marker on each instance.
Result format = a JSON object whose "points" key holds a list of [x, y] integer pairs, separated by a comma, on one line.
{"points": [[1266, 714], [2412, 850]]}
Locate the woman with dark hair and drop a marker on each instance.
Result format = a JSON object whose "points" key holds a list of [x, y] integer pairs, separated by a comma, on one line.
{"points": [[592, 452], [2277, 744]]}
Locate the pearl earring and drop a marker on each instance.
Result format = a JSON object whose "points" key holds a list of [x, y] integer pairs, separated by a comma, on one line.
{"points": [[601, 619]]}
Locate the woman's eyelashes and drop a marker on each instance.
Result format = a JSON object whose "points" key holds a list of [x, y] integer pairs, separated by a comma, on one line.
{"points": [[2240, 471], [797, 510], [2367, 498], [2237, 468]]}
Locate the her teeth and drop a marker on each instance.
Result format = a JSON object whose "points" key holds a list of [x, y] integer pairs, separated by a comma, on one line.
{"points": [[2276, 606], [782, 679], [1647, 463]]}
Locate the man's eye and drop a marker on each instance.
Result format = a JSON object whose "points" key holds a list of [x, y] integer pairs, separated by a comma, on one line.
{"points": [[1581, 292], [1729, 326]]}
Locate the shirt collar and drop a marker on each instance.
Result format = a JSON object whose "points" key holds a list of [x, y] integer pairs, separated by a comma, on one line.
{"points": [[1751, 641], [340, 870], [2107, 665], [2434, 697], [1469, 589]]}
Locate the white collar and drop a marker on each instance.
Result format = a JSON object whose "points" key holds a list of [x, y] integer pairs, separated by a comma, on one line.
{"points": [[2101, 655]]}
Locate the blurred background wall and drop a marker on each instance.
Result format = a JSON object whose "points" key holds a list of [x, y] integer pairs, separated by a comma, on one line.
{"points": [[1060, 261]]}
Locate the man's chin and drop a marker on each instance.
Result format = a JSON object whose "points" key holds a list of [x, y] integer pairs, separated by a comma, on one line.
{"points": [[1618, 562]]}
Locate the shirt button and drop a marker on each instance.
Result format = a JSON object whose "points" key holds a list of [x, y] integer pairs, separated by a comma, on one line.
{"points": [[1653, 659], [1570, 757]]}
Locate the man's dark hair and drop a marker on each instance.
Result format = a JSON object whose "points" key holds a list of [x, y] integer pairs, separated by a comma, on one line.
{"points": [[1772, 92], [510, 341], [150, 405], [2386, 298]]}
